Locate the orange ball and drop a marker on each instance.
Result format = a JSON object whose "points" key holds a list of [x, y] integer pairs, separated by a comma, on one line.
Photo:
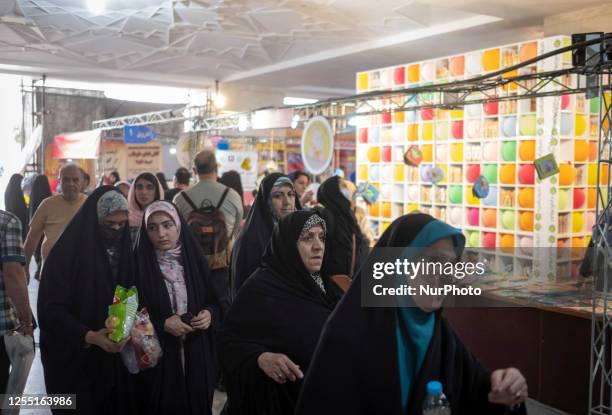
{"points": [[490, 59], [457, 65], [527, 150], [413, 73], [593, 151], [507, 243], [526, 221], [427, 152], [528, 51], [526, 198], [489, 218], [375, 209], [507, 174], [591, 198], [581, 150], [386, 209], [567, 174]]}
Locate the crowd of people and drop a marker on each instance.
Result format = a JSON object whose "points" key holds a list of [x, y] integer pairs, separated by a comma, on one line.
{"points": [[261, 300]]}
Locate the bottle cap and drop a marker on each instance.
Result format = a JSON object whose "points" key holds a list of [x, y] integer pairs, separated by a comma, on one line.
{"points": [[434, 388]]}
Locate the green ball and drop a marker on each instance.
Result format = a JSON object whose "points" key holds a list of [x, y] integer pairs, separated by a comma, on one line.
{"points": [[474, 239], [490, 172], [508, 219], [563, 199], [509, 150], [455, 194]]}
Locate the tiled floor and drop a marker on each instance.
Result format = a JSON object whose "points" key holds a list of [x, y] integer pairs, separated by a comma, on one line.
{"points": [[36, 383]]}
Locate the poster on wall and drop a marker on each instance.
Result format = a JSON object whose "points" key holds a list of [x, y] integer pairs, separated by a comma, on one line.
{"points": [[317, 145], [294, 159], [143, 158], [114, 157], [244, 162]]}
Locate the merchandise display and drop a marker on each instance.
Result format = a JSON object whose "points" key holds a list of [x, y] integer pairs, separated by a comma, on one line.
{"points": [[498, 141]]}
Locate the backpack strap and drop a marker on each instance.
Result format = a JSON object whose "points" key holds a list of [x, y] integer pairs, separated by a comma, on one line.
{"points": [[188, 200], [223, 197]]}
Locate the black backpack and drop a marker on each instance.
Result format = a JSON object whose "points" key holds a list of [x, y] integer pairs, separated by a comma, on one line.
{"points": [[207, 223]]}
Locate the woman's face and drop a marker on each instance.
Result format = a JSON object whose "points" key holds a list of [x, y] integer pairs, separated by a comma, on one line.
{"points": [[116, 220], [282, 200], [311, 247], [162, 231], [442, 251], [145, 192], [301, 183]]}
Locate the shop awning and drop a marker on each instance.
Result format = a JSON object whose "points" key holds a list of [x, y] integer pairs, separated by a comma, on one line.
{"points": [[77, 145]]}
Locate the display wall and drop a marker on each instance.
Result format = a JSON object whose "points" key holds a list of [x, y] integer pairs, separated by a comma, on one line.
{"points": [[499, 140]]}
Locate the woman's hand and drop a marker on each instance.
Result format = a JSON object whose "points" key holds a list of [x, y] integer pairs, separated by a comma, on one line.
{"points": [[176, 327], [279, 367], [100, 339], [508, 387], [202, 320]]}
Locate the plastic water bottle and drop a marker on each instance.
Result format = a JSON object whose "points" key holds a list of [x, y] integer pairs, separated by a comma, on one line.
{"points": [[436, 403]]}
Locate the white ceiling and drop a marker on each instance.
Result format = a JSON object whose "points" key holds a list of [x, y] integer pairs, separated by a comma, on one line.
{"points": [[308, 46]]}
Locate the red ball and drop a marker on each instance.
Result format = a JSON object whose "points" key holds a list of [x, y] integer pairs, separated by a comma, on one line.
{"points": [[473, 171], [386, 154], [579, 198], [527, 174], [427, 114], [457, 129], [386, 118], [491, 108], [399, 76], [489, 240], [565, 101]]}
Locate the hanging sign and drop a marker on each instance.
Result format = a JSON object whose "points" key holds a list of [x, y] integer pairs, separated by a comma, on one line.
{"points": [[317, 145], [138, 134]]}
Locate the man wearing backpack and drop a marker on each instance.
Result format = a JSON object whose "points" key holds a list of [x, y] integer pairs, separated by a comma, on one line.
{"points": [[210, 208]]}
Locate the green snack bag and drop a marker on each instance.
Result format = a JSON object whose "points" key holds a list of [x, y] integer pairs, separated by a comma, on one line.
{"points": [[122, 312]]}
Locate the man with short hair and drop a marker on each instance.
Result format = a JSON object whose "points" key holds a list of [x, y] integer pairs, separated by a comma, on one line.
{"points": [[15, 312], [182, 176], [209, 192], [55, 212]]}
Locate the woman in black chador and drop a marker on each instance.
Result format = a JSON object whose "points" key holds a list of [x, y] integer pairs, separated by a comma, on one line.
{"points": [[268, 337], [379, 360], [91, 257]]}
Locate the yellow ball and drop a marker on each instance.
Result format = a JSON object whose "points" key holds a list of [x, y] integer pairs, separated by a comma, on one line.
{"points": [[577, 222], [374, 154]]}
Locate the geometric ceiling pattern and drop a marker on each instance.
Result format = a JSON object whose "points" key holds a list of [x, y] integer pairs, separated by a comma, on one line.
{"points": [[212, 39], [199, 41]]}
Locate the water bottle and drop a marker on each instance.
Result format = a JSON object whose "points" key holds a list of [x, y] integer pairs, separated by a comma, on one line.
{"points": [[436, 403]]}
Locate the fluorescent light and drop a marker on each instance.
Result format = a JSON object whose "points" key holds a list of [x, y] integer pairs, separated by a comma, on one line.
{"points": [[298, 101], [96, 7]]}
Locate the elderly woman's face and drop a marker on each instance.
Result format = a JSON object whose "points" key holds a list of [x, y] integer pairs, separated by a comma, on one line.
{"points": [[440, 252], [311, 247], [162, 231], [282, 200]]}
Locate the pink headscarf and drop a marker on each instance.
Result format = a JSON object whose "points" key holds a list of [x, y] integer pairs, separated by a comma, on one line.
{"points": [[170, 261], [136, 212]]}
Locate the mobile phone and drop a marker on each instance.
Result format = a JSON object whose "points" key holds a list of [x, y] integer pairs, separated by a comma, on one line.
{"points": [[186, 318]]}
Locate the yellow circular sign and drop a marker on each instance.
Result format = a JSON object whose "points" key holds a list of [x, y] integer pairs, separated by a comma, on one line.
{"points": [[317, 145]]}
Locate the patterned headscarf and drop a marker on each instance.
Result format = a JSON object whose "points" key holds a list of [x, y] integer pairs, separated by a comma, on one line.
{"points": [[280, 182], [110, 202], [314, 220]]}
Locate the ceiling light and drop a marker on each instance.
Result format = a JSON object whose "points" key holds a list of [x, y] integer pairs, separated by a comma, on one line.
{"points": [[219, 101], [172, 150], [96, 7], [298, 101], [294, 121]]}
